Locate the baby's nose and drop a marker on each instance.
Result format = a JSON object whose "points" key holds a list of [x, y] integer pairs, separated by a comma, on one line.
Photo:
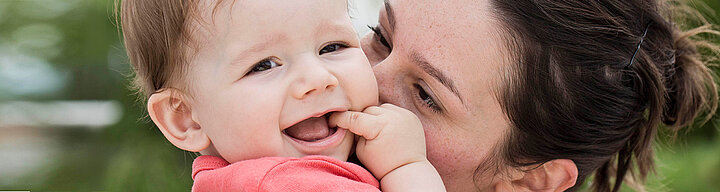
{"points": [[314, 79]]}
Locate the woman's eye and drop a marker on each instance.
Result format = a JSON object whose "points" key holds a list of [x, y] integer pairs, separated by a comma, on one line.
{"points": [[332, 48], [264, 65], [426, 99], [380, 37]]}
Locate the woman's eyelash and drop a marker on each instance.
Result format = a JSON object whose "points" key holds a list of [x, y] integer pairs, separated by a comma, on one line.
{"points": [[426, 99], [380, 36]]}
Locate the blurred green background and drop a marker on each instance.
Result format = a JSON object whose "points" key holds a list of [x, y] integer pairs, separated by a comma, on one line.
{"points": [[68, 121]]}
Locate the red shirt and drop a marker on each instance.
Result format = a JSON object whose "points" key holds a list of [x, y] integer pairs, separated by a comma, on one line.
{"points": [[310, 173]]}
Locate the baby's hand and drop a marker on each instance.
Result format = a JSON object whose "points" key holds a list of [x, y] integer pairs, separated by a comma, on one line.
{"points": [[391, 137]]}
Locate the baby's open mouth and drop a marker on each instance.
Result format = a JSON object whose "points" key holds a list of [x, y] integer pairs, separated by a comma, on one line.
{"points": [[311, 129]]}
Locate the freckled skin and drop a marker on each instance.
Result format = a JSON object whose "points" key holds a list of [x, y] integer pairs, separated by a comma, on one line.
{"points": [[471, 55]]}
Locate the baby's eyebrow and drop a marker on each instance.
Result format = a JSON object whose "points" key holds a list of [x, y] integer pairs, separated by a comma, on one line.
{"points": [[270, 40], [337, 28]]}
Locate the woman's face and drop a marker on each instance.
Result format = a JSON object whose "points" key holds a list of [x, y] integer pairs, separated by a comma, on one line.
{"points": [[443, 60]]}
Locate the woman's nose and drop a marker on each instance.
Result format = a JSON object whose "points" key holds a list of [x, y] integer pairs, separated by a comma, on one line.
{"points": [[313, 78], [373, 57]]}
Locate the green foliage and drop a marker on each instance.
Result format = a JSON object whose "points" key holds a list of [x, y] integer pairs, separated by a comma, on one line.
{"points": [[129, 156], [691, 167]]}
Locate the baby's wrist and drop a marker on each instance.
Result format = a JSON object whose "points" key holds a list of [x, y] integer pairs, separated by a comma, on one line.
{"points": [[415, 176], [403, 167]]}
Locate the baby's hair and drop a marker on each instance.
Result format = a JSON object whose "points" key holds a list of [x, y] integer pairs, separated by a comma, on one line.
{"points": [[352, 8], [158, 40], [154, 33]]}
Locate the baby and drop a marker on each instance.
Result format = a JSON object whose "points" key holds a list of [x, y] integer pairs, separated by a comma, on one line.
{"points": [[270, 93]]}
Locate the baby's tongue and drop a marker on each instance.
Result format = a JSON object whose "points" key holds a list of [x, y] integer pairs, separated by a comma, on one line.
{"points": [[310, 129]]}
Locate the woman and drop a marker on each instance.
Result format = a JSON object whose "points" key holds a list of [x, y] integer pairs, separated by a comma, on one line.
{"points": [[537, 95]]}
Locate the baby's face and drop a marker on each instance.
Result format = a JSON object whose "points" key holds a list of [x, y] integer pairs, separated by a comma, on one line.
{"points": [[270, 71]]}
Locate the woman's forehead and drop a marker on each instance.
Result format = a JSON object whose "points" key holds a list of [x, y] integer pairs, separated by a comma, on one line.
{"points": [[463, 42], [420, 24], [443, 12]]}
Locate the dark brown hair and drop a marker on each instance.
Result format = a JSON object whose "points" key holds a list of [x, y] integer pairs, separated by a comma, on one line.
{"points": [[573, 95]]}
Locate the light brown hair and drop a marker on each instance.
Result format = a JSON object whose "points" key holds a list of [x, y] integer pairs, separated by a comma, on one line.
{"points": [[156, 36]]}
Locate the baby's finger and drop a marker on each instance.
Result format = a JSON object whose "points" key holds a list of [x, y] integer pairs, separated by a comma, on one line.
{"points": [[389, 106], [360, 123], [397, 109], [373, 110]]}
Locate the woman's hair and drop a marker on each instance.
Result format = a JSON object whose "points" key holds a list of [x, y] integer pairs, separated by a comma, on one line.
{"points": [[592, 81]]}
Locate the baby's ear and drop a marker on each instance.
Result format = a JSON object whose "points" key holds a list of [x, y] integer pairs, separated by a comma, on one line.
{"points": [[173, 117]]}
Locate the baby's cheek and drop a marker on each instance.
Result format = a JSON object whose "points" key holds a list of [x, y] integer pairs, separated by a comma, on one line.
{"points": [[252, 147], [365, 84], [345, 148], [364, 92]]}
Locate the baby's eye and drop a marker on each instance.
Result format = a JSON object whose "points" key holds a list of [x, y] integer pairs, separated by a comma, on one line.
{"points": [[264, 65], [332, 48]]}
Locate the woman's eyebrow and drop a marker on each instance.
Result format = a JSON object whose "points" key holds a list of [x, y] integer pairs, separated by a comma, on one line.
{"points": [[390, 15], [421, 62]]}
